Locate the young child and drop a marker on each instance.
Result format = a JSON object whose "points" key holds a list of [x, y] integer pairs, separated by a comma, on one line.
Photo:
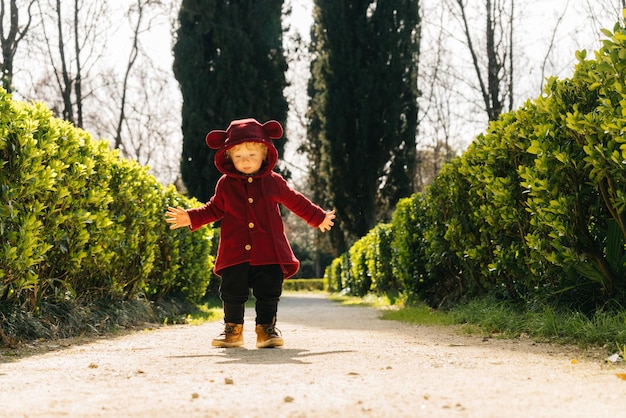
{"points": [[253, 251]]}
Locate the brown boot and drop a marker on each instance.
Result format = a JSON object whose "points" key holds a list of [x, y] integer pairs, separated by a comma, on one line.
{"points": [[267, 336], [231, 337]]}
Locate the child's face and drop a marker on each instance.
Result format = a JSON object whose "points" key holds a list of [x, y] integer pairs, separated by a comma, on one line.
{"points": [[247, 158]]}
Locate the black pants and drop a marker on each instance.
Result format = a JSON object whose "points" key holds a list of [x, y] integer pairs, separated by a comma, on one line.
{"points": [[266, 283]]}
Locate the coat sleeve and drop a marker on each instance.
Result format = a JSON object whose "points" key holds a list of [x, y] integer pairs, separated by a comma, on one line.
{"points": [[212, 211], [299, 204]]}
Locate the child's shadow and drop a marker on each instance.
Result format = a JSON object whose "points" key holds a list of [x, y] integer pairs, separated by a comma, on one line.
{"points": [[271, 356]]}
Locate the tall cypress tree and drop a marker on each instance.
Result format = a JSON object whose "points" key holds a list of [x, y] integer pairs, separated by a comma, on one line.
{"points": [[363, 110], [229, 62]]}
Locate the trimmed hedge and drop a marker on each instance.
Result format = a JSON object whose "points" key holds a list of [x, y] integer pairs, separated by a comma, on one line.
{"points": [[295, 285], [79, 223], [534, 210]]}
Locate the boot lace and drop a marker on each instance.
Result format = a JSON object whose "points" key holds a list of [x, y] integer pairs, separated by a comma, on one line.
{"points": [[272, 331], [228, 329]]}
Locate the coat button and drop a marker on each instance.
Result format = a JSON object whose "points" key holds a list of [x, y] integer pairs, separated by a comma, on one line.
{"points": [[248, 247], [250, 200], [251, 225], [250, 179]]}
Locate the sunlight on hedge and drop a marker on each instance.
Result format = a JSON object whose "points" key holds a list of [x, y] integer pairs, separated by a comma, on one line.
{"points": [[533, 211], [79, 223]]}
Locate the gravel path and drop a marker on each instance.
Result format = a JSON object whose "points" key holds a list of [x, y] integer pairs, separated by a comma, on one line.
{"points": [[337, 362]]}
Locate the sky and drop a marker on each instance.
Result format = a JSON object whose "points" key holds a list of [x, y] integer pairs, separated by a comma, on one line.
{"points": [[567, 22]]}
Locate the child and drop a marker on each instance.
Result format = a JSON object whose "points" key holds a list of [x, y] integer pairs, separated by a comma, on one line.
{"points": [[253, 251]]}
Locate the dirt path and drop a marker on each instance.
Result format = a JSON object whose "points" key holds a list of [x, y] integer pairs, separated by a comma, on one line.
{"points": [[337, 362]]}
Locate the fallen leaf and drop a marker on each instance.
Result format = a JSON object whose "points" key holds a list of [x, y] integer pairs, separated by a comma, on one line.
{"points": [[228, 381], [574, 361], [194, 396], [93, 366], [621, 375], [288, 399]]}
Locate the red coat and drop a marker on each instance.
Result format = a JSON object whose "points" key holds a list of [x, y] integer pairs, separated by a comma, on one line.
{"points": [[252, 229]]}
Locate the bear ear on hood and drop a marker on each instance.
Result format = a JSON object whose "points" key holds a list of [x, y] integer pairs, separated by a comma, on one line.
{"points": [[215, 139], [273, 129]]}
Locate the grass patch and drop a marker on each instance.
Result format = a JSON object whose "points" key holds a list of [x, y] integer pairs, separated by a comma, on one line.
{"points": [[490, 317], [369, 300], [420, 314], [396, 308], [545, 323], [500, 319], [205, 313], [209, 311]]}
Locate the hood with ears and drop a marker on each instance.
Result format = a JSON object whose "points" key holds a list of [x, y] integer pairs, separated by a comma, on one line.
{"points": [[245, 130]]}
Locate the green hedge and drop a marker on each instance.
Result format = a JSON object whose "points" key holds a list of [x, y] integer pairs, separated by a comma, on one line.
{"points": [[295, 285], [77, 222], [534, 210]]}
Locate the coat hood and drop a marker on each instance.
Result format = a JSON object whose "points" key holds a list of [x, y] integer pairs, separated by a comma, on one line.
{"points": [[245, 130]]}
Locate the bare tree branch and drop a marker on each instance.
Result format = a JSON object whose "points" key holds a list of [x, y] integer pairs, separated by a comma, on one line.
{"points": [[78, 80], [66, 87], [552, 42], [70, 65], [472, 51], [499, 77], [131, 61], [10, 41], [511, 43]]}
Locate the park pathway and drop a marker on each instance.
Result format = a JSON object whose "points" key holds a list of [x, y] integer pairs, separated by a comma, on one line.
{"points": [[337, 361]]}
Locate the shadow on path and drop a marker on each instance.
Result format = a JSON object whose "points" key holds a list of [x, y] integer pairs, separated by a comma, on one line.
{"points": [[242, 355]]}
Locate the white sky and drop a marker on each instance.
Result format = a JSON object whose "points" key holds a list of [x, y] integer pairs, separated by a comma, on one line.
{"points": [[534, 26]]}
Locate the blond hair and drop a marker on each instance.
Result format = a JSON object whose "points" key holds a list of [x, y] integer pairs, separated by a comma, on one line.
{"points": [[248, 145]]}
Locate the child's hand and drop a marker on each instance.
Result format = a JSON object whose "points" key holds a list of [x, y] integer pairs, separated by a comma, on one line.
{"points": [[327, 223], [178, 217]]}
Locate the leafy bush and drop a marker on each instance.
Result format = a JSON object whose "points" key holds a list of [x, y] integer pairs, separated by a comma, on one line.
{"points": [[370, 263], [184, 264], [497, 202], [533, 211], [78, 223], [408, 259], [337, 274], [303, 285], [577, 183]]}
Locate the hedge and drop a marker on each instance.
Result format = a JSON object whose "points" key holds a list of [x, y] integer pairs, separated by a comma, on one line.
{"points": [[534, 210], [303, 285], [79, 223]]}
